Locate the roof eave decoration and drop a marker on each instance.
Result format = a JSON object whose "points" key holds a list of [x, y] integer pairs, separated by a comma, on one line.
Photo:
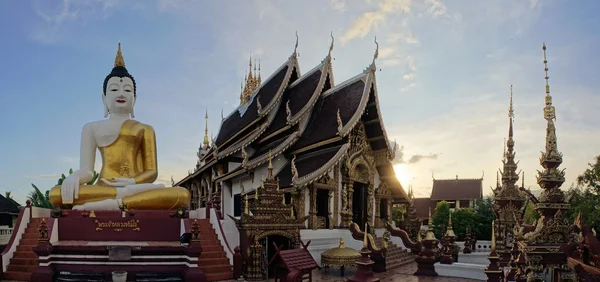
{"points": [[326, 168], [259, 160], [369, 81], [325, 72], [293, 65]]}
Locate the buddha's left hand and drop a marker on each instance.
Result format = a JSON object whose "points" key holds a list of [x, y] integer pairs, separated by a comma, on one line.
{"points": [[119, 182]]}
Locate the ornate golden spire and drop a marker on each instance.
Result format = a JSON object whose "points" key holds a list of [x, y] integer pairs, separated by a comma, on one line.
{"points": [[549, 111], [119, 61], [253, 81], [259, 73], [206, 142]]}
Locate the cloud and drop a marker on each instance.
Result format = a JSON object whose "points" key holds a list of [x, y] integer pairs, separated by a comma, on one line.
{"points": [[399, 159], [44, 176], [339, 5], [405, 37], [437, 8], [417, 158], [366, 21], [49, 32], [407, 87], [408, 76]]}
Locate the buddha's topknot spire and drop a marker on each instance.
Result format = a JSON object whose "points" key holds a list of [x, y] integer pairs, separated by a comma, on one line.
{"points": [[119, 61]]}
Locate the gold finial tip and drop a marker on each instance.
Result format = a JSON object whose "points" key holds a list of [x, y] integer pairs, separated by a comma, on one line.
{"points": [[544, 46], [119, 61]]}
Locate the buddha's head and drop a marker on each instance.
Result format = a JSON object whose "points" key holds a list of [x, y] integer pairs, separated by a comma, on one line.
{"points": [[119, 91]]}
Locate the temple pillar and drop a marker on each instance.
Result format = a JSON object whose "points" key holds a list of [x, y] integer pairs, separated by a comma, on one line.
{"points": [[378, 221], [329, 207], [313, 208], [347, 215], [370, 200]]}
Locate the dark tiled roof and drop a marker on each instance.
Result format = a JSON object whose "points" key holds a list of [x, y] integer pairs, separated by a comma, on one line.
{"points": [[299, 259], [457, 189], [323, 122], [422, 206], [266, 93], [298, 96], [8, 205], [306, 164]]}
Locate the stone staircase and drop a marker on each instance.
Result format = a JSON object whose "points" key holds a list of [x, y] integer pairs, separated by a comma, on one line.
{"points": [[213, 260], [24, 260], [396, 256]]}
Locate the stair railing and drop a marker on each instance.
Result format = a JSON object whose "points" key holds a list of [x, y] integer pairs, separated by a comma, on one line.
{"points": [[235, 258], [377, 254], [415, 247], [18, 230]]}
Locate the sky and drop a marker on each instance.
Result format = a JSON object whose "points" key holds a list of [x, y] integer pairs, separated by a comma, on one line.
{"points": [[445, 72]]}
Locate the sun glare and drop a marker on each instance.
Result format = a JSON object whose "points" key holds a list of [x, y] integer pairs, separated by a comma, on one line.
{"points": [[403, 174]]}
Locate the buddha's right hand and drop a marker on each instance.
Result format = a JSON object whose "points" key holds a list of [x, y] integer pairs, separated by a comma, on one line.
{"points": [[69, 189]]}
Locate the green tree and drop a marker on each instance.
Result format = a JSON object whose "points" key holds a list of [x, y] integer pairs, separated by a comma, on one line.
{"points": [[531, 215], [440, 217], [485, 216], [463, 218], [398, 213], [586, 195], [42, 200], [590, 178]]}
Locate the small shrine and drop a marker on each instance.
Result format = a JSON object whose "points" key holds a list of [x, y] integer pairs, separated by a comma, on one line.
{"points": [[294, 264], [509, 202], [267, 220]]}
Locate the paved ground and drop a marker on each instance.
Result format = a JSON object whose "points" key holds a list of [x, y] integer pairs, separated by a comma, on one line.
{"points": [[404, 274]]}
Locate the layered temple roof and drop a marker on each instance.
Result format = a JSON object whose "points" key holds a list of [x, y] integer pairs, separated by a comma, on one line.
{"points": [[306, 118], [457, 189]]}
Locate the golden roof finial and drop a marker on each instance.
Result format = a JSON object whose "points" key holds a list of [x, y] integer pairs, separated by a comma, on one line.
{"points": [[206, 142], [270, 162], [296, 47], [246, 211], [331, 47], [259, 74], [511, 113], [376, 51], [119, 61]]}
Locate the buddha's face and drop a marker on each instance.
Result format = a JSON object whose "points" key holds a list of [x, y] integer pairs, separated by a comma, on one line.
{"points": [[119, 96]]}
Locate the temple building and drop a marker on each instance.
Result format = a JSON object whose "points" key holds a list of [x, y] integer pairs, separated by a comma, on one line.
{"points": [[457, 192], [326, 142]]}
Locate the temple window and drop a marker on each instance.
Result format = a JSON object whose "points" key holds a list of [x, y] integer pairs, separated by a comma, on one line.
{"points": [[288, 198], [237, 205]]}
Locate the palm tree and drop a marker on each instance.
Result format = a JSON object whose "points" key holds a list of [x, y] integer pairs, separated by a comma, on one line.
{"points": [[42, 200]]}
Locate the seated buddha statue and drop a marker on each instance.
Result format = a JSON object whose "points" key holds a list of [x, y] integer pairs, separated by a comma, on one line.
{"points": [[129, 161]]}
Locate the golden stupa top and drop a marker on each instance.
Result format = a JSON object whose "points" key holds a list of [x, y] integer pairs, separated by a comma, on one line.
{"points": [[119, 61], [341, 252]]}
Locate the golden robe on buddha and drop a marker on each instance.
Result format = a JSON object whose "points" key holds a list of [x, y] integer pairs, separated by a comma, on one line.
{"points": [[131, 155]]}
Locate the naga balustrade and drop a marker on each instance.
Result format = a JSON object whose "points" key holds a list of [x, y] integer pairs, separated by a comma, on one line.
{"points": [[377, 254], [415, 247]]}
